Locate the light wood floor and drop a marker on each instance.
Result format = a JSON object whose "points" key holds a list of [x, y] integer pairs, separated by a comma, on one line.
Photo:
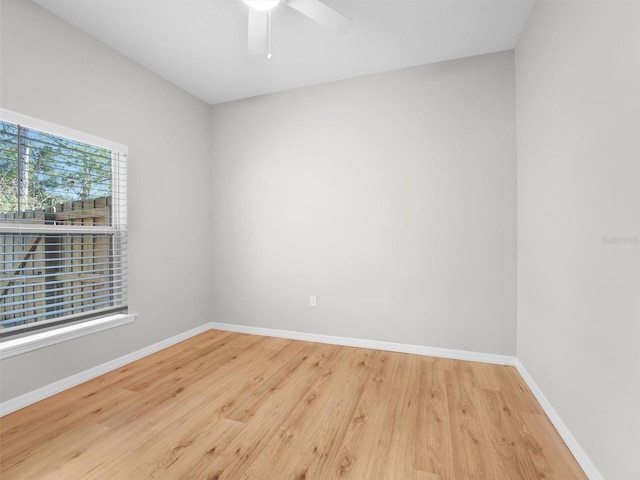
{"points": [[229, 406]]}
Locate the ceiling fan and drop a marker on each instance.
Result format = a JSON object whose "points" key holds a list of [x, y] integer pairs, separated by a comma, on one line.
{"points": [[260, 20]]}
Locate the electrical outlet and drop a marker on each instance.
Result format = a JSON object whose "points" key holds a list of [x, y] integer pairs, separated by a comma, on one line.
{"points": [[313, 301]]}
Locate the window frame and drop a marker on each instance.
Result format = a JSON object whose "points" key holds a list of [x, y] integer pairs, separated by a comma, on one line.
{"points": [[18, 340]]}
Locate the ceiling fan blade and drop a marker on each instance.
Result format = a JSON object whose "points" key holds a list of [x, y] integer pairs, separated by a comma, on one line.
{"points": [[322, 13], [258, 22]]}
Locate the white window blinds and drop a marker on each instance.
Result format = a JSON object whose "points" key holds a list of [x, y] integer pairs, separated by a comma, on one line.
{"points": [[63, 244]]}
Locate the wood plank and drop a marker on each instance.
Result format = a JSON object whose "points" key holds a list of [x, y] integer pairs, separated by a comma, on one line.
{"points": [[432, 451], [468, 435], [85, 213], [88, 252], [309, 440], [270, 418], [520, 397], [40, 264], [361, 445], [76, 260]]}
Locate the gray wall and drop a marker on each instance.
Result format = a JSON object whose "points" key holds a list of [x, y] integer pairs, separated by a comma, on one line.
{"points": [[578, 103], [391, 197], [53, 72]]}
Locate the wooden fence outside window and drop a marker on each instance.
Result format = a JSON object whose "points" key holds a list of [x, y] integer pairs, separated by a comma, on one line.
{"points": [[36, 267]]}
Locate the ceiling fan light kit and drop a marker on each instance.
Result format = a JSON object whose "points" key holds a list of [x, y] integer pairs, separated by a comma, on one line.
{"points": [[259, 30], [262, 5]]}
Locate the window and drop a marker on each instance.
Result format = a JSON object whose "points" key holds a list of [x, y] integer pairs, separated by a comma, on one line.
{"points": [[62, 226]]}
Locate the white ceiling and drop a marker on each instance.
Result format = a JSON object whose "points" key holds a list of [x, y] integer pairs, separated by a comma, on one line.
{"points": [[201, 45]]}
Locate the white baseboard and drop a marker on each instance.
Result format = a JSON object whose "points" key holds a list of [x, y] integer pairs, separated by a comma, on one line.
{"points": [[371, 344], [48, 390], [580, 455]]}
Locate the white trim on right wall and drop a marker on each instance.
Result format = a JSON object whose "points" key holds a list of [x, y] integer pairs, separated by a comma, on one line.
{"points": [[580, 455]]}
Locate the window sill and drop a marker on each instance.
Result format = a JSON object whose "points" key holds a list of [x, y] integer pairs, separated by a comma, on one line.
{"points": [[11, 348]]}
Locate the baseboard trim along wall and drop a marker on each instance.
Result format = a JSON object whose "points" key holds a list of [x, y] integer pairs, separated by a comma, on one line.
{"points": [[371, 344], [40, 394], [580, 455], [34, 396]]}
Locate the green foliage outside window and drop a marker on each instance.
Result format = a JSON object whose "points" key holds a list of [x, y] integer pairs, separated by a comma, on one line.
{"points": [[38, 170]]}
